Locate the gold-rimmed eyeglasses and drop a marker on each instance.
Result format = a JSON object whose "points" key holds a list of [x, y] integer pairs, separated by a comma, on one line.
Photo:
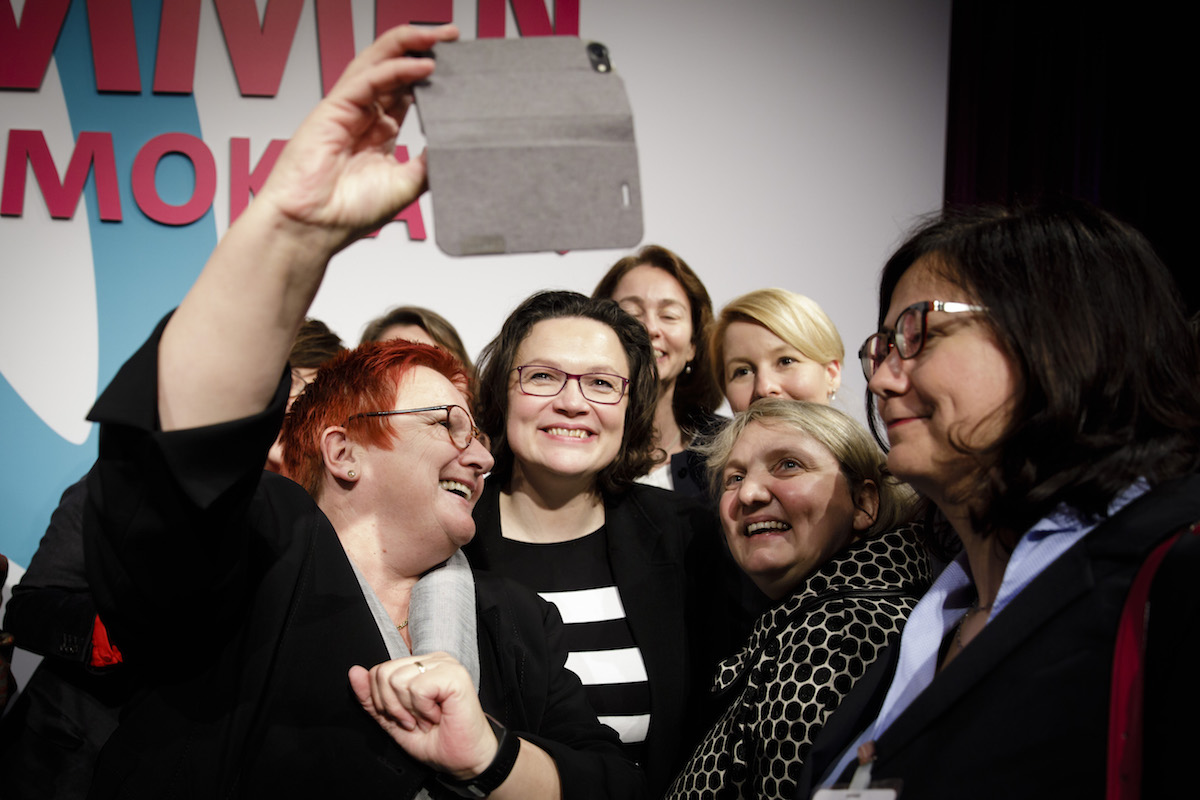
{"points": [[458, 422]]}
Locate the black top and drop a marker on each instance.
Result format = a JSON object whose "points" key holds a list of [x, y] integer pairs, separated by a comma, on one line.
{"points": [[1023, 710], [681, 598], [229, 591], [689, 472], [575, 575], [51, 737]]}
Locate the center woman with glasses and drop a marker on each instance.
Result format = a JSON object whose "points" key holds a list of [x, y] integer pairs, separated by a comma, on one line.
{"points": [[567, 397]]}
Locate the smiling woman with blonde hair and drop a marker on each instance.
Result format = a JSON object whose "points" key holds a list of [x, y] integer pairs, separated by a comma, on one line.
{"points": [[776, 343], [810, 514]]}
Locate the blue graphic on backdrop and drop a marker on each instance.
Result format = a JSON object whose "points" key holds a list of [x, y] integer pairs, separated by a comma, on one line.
{"points": [[142, 268]]}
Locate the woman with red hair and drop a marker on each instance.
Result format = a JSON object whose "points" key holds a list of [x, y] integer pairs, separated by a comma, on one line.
{"points": [[250, 606]]}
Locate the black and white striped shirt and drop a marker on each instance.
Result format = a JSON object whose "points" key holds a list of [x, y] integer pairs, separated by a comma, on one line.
{"points": [[576, 577]]}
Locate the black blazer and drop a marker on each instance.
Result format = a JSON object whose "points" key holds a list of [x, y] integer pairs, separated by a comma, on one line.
{"points": [[1023, 711], [679, 599], [229, 592], [49, 740], [689, 472]]}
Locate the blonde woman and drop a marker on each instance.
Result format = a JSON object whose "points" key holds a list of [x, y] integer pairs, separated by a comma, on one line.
{"points": [[815, 521], [776, 343]]}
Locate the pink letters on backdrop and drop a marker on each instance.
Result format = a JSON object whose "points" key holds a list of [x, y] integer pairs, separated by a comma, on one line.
{"points": [[25, 49], [93, 151], [145, 191], [243, 181], [258, 50], [259, 54], [114, 46], [335, 40], [178, 33], [531, 16]]}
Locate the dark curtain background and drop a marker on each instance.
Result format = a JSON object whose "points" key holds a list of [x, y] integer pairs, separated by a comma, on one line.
{"points": [[1092, 100]]}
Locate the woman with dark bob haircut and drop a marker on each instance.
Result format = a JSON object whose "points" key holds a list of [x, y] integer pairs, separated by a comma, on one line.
{"points": [[1037, 383], [499, 359], [567, 394], [657, 287]]}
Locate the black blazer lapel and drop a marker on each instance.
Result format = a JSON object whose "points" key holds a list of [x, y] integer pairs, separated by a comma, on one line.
{"points": [[1107, 553], [853, 714], [647, 565]]}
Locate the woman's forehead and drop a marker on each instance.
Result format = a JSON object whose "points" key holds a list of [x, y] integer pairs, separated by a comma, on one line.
{"points": [[927, 279], [765, 438], [423, 386], [575, 344], [649, 283]]}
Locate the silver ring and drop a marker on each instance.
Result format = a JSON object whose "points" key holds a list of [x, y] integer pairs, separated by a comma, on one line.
{"points": [[420, 667]]}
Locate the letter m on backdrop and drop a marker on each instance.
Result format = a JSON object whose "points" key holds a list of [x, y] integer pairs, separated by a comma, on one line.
{"points": [[93, 153]]}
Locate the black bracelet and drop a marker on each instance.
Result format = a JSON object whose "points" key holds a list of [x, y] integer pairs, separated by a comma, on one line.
{"points": [[486, 782]]}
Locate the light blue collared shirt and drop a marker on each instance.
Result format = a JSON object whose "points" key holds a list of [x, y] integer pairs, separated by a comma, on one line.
{"points": [[940, 610]]}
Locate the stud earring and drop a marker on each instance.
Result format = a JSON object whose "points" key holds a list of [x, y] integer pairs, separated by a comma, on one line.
{"points": [[352, 474], [687, 368]]}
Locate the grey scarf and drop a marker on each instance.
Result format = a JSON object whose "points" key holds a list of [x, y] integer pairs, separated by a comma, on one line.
{"points": [[441, 615]]}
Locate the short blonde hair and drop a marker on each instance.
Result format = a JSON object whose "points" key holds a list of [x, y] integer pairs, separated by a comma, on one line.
{"points": [[859, 457], [794, 318]]}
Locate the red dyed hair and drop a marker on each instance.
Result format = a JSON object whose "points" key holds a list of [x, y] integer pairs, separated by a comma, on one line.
{"points": [[354, 382]]}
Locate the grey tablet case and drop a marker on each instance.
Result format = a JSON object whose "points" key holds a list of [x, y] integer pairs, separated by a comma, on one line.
{"points": [[530, 147]]}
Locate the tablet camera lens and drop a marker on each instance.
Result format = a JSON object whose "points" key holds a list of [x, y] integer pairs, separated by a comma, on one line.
{"points": [[598, 54]]}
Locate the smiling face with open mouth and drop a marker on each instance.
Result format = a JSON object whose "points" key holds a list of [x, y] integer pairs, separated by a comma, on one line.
{"points": [[424, 478], [786, 506], [567, 435]]}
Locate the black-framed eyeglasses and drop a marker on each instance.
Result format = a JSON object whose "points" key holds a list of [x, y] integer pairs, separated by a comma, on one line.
{"points": [[458, 422], [909, 335], [598, 387]]}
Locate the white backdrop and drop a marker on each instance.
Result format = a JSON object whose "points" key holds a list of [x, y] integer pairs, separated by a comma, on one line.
{"points": [[782, 143]]}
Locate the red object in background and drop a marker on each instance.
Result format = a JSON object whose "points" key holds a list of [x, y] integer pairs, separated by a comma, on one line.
{"points": [[104, 652]]}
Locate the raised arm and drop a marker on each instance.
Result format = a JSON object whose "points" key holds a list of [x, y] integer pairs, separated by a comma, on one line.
{"points": [[222, 352]]}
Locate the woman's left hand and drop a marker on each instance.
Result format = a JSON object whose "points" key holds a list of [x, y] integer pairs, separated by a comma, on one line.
{"points": [[429, 706]]}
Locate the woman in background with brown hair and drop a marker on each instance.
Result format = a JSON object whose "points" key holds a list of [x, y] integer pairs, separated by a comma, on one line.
{"points": [[419, 324], [661, 291], [314, 345]]}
